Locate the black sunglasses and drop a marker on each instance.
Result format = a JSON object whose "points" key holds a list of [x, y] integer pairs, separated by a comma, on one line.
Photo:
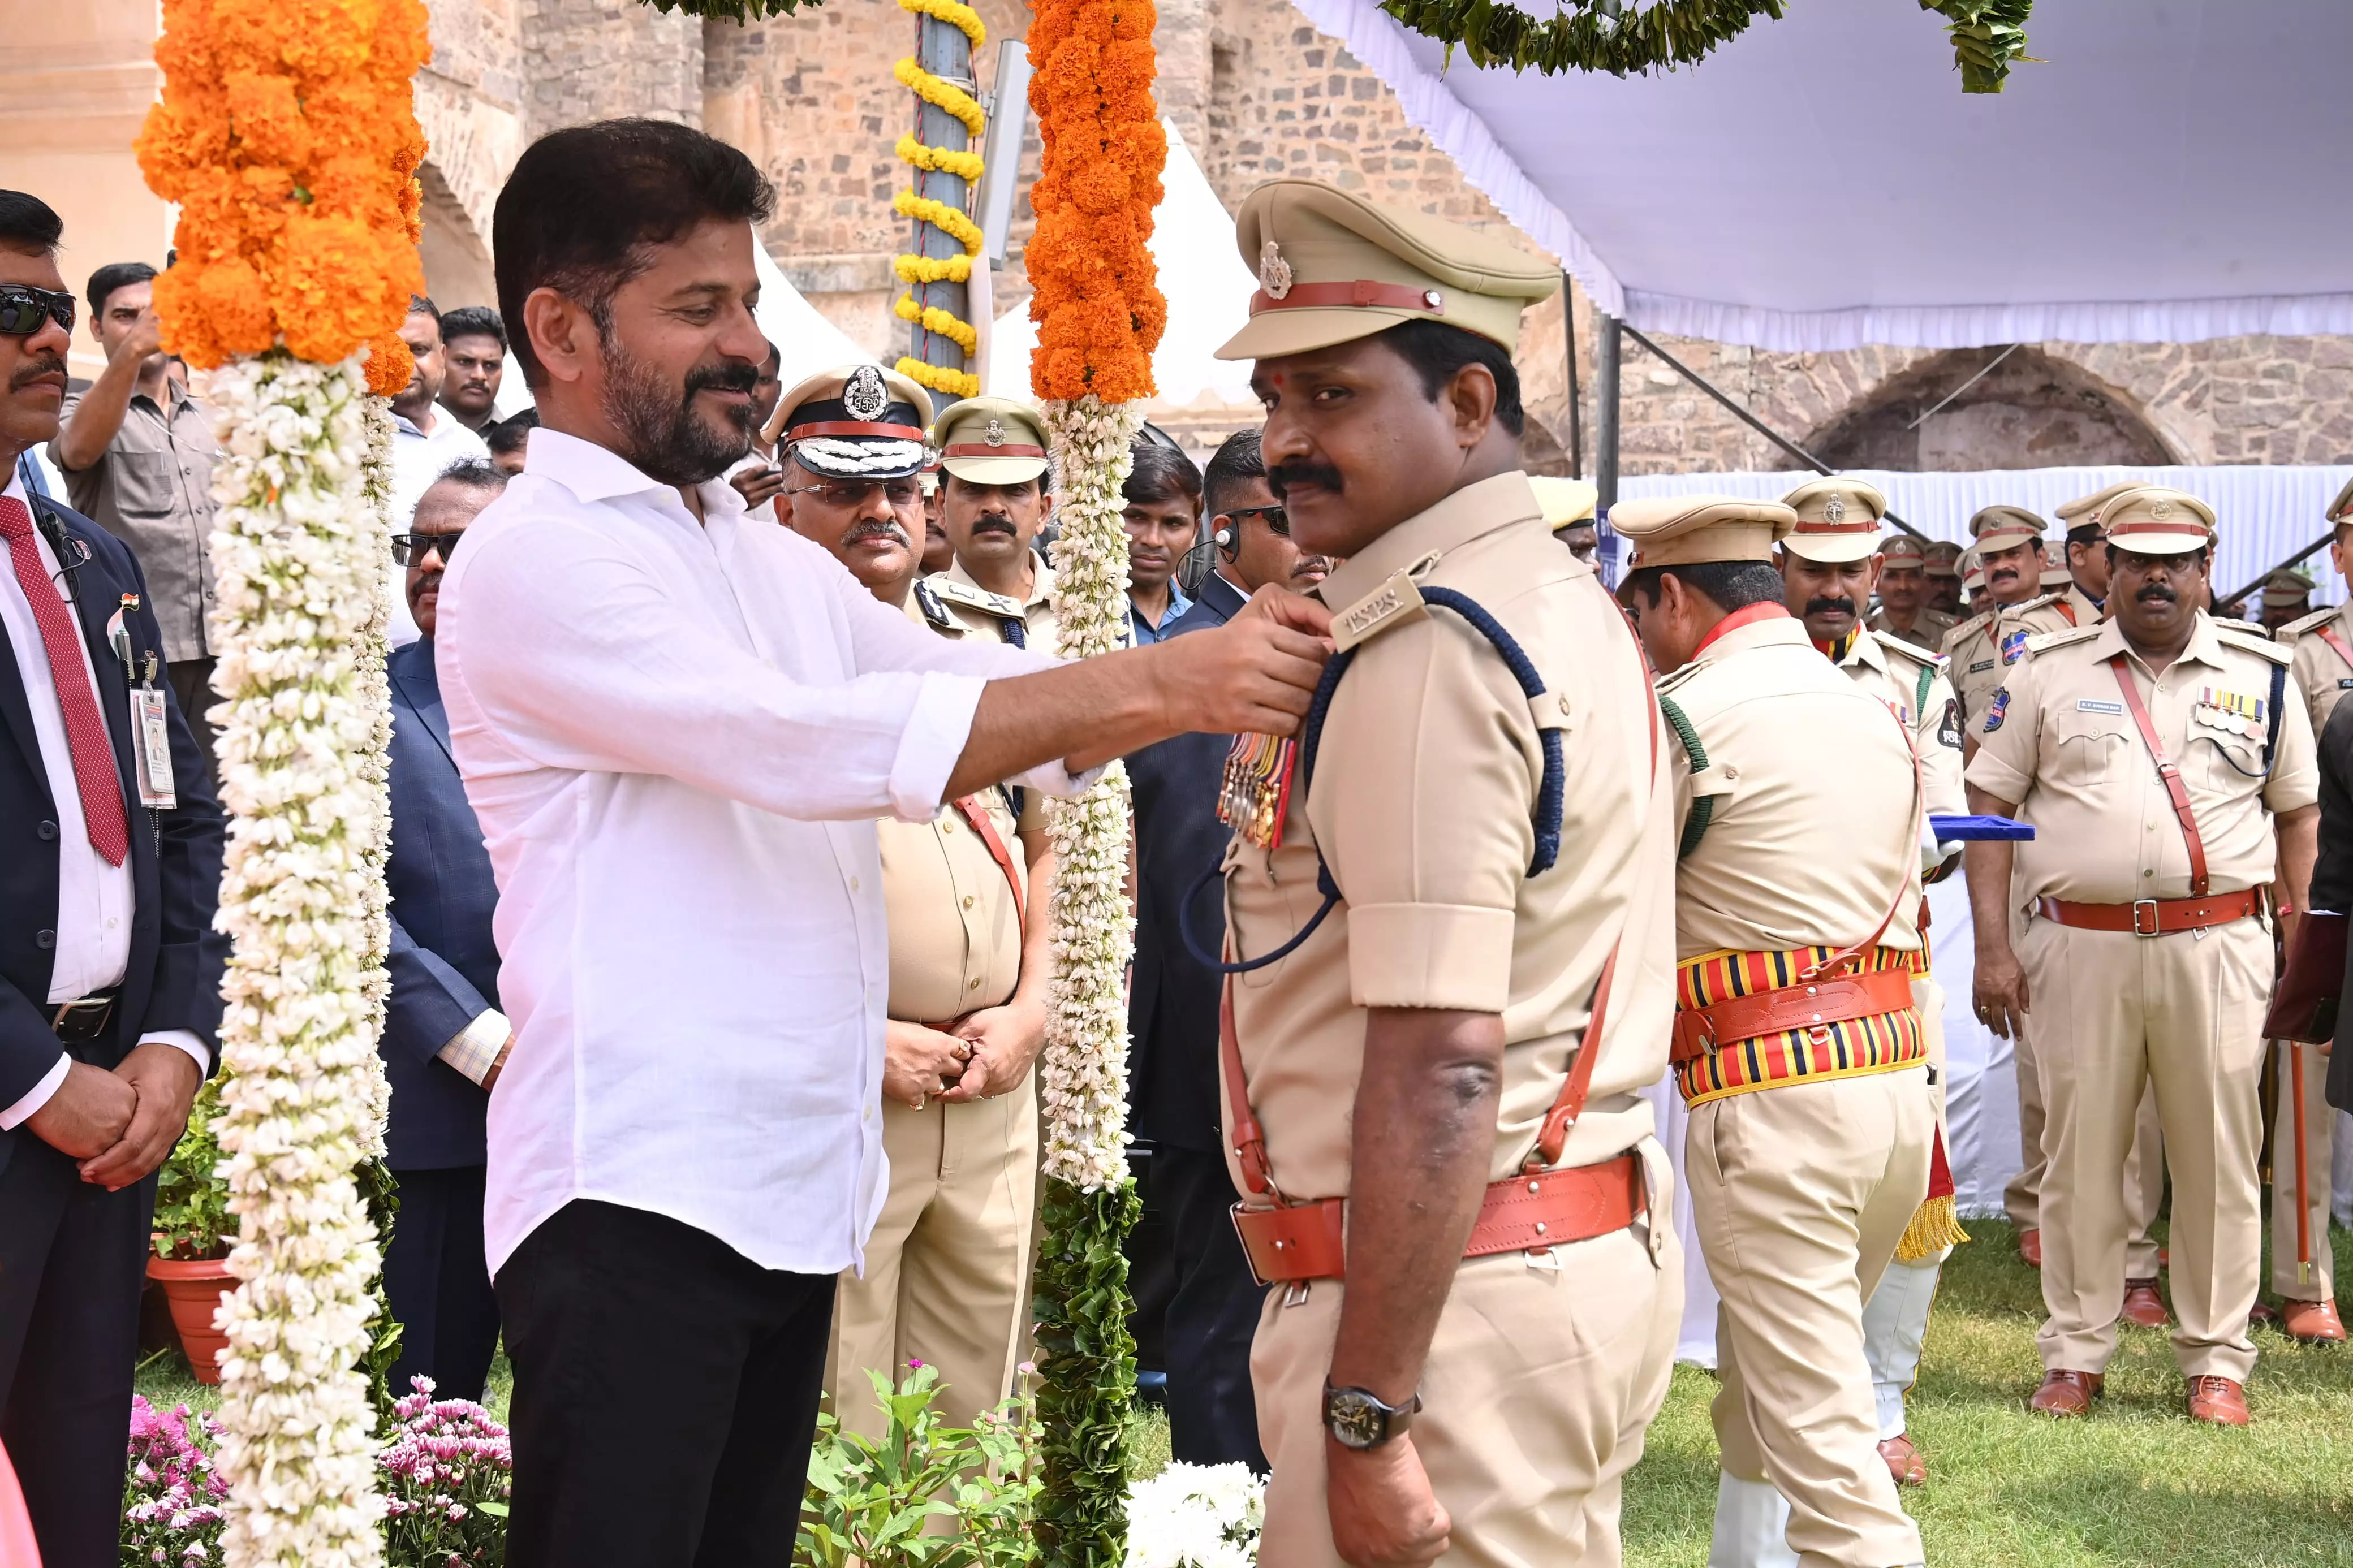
{"points": [[1277, 520], [23, 308], [408, 549]]}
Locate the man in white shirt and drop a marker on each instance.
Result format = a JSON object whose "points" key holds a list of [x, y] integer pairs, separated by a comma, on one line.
{"points": [[426, 437], [110, 969], [676, 726]]}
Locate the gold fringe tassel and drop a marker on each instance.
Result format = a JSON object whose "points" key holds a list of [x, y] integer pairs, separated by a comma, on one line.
{"points": [[1935, 1226]]}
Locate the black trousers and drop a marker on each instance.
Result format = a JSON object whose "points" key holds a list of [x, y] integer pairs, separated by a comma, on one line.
{"points": [[1212, 1414], [73, 1260], [191, 681], [666, 1395], [437, 1284]]}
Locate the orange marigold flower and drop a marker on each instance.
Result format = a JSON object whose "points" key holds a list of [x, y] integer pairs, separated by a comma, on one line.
{"points": [[390, 363]]}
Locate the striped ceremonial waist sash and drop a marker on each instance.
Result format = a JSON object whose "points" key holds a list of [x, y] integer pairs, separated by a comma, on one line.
{"points": [[1747, 1020]]}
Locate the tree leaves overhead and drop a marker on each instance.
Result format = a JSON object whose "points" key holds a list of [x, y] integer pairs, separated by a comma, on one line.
{"points": [[1627, 37]]}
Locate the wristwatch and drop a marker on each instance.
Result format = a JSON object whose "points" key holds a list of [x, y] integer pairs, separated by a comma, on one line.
{"points": [[1357, 1418]]}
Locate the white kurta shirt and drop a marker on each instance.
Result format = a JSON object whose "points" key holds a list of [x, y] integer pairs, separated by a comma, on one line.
{"points": [[677, 738]]}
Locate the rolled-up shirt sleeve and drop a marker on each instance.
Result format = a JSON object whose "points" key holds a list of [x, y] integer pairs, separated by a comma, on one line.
{"points": [[583, 659]]}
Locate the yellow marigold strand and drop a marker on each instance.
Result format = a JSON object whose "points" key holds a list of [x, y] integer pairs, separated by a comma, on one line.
{"points": [[939, 92], [963, 18], [941, 215], [939, 378], [933, 268], [967, 167], [936, 320]]}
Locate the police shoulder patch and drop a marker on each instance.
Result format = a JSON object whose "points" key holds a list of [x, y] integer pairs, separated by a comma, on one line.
{"points": [[1961, 633], [974, 597], [2311, 623], [927, 600], [2252, 639], [1948, 728], [1997, 710], [2043, 642], [1392, 603], [2013, 644]]}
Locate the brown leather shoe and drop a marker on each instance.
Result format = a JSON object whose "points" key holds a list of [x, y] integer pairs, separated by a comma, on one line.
{"points": [[2313, 1322], [2218, 1402], [2067, 1392], [2144, 1306], [2030, 1247], [1904, 1460], [2262, 1312]]}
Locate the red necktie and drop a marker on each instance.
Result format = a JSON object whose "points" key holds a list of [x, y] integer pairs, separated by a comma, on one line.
{"points": [[93, 756]]}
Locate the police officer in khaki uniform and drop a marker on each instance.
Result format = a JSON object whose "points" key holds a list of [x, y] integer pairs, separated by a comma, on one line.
{"points": [[1904, 611], [1799, 1043], [1945, 581], [1829, 562], [1568, 507], [2287, 596], [945, 1282], [1454, 1049], [2303, 1272], [993, 452], [2087, 550], [2171, 777]]}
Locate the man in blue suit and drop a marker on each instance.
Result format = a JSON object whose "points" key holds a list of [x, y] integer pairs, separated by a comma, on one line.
{"points": [[110, 969], [1173, 1004], [444, 1037]]}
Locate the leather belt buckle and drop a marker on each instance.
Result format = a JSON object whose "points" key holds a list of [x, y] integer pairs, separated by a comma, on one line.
{"points": [[2152, 928], [81, 1020]]}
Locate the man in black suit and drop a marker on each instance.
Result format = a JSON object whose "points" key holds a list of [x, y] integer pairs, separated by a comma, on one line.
{"points": [[444, 1037], [1173, 1004], [110, 969]]}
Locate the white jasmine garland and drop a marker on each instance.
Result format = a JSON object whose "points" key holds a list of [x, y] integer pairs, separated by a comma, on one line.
{"points": [[374, 763], [297, 548], [1084, 1088]]}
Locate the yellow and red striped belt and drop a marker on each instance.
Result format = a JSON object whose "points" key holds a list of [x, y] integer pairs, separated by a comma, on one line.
{"points": [[1747, 1021]]}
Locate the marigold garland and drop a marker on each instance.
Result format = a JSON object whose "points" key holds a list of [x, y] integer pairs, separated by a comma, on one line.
{"points": [[935, 320], [933, 268], [940, 93], [916, 270], [938, 377], [1100, 312], [965, 166]]}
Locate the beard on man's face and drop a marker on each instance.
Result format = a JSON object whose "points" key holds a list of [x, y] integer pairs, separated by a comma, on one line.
{"points": [[667, 437]]}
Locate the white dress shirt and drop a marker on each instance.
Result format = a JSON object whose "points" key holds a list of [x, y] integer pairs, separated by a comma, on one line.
{"points": [[93, 927], [419, 458], [677, 738]]}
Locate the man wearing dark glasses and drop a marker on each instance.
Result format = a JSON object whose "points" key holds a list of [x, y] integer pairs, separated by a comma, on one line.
{"points": [[110, 967], [137, 453]]}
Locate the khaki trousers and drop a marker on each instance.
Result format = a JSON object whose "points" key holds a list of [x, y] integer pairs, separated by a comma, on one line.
{"points": [[1539, 1384], [2183, 1013], [1800, 1193], [947, 1282], [2319, 1173], [2143, 1188]]}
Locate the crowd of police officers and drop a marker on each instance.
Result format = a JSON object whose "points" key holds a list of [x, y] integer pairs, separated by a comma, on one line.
{"points": [[1535, 848]]}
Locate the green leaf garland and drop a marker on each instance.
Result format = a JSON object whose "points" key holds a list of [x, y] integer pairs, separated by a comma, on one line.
{"points": [[1086, 1375]]}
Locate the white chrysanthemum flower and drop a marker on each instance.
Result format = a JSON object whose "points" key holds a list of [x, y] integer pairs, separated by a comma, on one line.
{"points": [[1196, 1516]]}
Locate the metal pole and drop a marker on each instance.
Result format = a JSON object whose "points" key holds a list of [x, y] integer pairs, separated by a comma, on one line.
{"points": [[1759, 426], [946, 53], [1605, 434], [1576, 393]]}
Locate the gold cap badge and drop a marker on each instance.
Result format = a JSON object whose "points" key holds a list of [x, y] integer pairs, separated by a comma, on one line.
{"points": [[1274, 271]]}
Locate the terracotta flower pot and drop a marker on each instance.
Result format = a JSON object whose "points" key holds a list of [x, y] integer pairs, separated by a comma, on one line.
{"points": [[194, 1290]]}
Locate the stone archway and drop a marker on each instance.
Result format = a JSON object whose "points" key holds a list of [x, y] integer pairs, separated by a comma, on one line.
{"points": [[2032, 410], [457, 263]]}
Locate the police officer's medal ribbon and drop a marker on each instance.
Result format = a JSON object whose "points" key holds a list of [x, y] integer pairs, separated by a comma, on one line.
{"points": [[1254, 795], [2233, 713]]}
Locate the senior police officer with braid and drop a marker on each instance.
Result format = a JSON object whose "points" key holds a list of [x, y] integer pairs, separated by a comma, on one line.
{"points": [[2171, 777], [1829, 562], [1449, 1038], [1799, 1043], [945, 1280]]}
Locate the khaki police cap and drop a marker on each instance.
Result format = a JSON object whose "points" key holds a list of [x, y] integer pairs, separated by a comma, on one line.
{"points": [[1944, 558], [854, 420], [2056, 577], [1972, 572], [1565, 502], [2158, 520], [1686, 531], [2084, 511], [1902, 550], [2286, 587], [1838, 519], [1332, 267], [2004, 527], [2341, 509], [991, 441]]}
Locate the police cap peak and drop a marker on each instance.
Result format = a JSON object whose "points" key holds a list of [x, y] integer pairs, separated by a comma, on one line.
{"points": [[1686, 531], [2287, 586], [1944, 558], [2004, 527], [2158, 520], [1334, 267], [1838, 519], [991, 441], [1903, 548]]}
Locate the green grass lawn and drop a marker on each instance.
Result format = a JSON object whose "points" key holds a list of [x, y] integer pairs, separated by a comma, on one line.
{"points": [[2136, 1486]]}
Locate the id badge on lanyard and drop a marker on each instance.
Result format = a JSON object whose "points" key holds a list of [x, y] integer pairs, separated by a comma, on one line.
{"points": [[150, 725]]}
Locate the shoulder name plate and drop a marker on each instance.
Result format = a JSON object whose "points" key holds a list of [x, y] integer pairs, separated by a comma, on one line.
{"points": [[1394, 603]]}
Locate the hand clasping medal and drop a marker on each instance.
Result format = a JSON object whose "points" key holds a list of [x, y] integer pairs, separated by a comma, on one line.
{"points": [[1255, 793]]}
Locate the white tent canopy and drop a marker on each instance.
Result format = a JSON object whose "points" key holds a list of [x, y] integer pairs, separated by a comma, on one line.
{"points": [[2174, 171], [1208, 288]]}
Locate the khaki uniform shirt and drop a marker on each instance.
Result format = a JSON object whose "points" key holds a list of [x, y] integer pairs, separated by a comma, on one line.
{"points": [[153, 489], [1927, 632], [2062, 745], [955, 606], [2087, 610], [1423, 803], [2321, 673], [1984, 646], [1814, 825], [1914, 682], [955, 939]]}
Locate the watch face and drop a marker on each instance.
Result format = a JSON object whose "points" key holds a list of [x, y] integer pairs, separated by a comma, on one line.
{"points": [[1355, 1417]]}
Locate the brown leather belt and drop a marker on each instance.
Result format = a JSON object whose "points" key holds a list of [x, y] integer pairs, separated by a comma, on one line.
{"points": [[2154, 917], [1834, 999], [1528, 1213]]}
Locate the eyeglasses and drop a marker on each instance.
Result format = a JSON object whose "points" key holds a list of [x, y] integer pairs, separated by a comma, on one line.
{"points": [[408, 549], [23, 308], [848, 494], [1278, 520]]}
